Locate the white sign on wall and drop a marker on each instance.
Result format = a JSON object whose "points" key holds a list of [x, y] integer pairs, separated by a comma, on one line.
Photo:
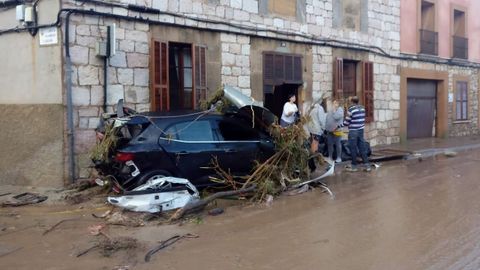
{"points": [[48, 36], [450, 97]]}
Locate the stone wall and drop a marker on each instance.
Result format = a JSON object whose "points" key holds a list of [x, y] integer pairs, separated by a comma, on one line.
{"points": [[236, 61]]}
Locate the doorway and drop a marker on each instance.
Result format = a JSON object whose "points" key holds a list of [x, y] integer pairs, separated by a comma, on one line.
{"points": [[180, 76], [274, 101], [421, 108]]}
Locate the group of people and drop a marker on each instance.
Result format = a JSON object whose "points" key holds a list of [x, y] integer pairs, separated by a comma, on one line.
{"points": [[328, 126]]}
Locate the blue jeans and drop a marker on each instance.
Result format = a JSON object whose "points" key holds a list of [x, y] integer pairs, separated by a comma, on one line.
{"points": [[356, 141], [331, 141]]}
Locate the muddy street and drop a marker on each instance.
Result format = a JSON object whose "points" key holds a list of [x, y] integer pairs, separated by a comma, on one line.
{"points": [[405, 215]]}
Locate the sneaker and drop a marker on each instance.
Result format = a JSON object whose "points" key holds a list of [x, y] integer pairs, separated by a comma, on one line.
{"points": [[351, 169], [338, 160], [368, 168]]}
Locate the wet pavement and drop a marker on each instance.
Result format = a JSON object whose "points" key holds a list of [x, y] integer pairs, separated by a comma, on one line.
{"points": [[416, 214]]}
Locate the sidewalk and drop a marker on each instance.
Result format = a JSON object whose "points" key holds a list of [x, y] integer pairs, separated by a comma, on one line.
{"points": [[433, 146]]}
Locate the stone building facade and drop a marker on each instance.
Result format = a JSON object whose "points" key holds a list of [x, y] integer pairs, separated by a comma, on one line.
{"points": [[318, 31], [314, 48]]}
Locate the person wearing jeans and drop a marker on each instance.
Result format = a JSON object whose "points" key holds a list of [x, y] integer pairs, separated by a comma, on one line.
{"points": [[333, 122], [355, 121]]}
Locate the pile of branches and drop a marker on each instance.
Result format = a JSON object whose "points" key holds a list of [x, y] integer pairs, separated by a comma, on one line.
{"points": [[104, 148], [288, 167]]}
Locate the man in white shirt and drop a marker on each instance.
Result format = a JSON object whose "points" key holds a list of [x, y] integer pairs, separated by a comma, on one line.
{"points": [[289, 110]]}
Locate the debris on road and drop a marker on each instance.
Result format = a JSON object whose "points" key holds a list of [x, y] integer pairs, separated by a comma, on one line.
{"points": [[449, 153], [5, 194], [6, 250], [58, 224], [24, 199], [170, 241], [120, 219], [77, 196], [215, 211], [96, 229], [201, 204], [298, 191], [269, 200], [108, 246], [104, 215], [158, 195]]}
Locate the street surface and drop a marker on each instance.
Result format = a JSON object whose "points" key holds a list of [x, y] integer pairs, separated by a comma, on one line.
{"points": [[404, 215]]}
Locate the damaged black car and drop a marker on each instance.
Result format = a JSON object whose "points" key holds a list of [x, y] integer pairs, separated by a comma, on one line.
{"points": [[185, 145]]}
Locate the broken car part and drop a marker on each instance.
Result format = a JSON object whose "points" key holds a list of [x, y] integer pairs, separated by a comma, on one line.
{"points": [[157, 195]]}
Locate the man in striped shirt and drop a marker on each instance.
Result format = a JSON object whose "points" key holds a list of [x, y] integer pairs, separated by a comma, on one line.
{"points": [[355, 121]]}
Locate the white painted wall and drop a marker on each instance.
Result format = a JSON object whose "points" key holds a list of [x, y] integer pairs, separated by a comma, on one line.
{"points": [[29, 73]]}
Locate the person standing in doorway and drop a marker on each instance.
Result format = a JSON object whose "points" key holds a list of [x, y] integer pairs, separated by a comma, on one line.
{"points": [[316, 126], [333, 124], [289, 111], [355, 121]]}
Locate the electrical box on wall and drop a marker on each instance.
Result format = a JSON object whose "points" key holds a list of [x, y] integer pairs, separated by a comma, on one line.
{"points": [[107, 48], [101, 49], [28, 14], [20, 12]]}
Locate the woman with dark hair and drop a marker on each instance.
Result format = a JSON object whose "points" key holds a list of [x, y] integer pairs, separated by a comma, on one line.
{"points": [[289, 111]]}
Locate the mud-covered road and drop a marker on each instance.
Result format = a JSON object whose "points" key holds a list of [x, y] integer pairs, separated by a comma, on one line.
{"points": [[405, 215]]}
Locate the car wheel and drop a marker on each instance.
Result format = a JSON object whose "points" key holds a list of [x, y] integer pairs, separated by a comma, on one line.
{"points": [[156, 174]]}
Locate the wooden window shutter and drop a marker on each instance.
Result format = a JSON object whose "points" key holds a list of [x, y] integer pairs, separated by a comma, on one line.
{"points": [[279, 68], [338, 78], [289, 68], [297, 69], [200, 73], [367, 85], [268, 72], [160, 99]]}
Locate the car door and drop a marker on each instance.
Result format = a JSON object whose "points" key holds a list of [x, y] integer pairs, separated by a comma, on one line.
{"points": [[240, 145], [191, 144]]}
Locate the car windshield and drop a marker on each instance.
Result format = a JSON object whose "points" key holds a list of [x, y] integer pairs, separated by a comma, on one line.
{"points": [[191, 131]]}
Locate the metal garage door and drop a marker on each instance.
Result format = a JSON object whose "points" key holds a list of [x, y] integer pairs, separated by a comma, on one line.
{"points": [[421, 108]]}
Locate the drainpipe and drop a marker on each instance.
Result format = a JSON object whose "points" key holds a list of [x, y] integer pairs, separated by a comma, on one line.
{"points": [[105, 84], [105, 69], [70, 127]]}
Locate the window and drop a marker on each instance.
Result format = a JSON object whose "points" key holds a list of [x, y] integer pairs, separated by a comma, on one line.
{"points": [[284, 8], [345, 76], [232, 131], [191, 131], [459, 34], [461, 100], [351, 14], [179, 76], [428, 36]]}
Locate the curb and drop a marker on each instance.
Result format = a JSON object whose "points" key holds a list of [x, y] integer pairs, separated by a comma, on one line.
{"points": [[431, 152]]}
